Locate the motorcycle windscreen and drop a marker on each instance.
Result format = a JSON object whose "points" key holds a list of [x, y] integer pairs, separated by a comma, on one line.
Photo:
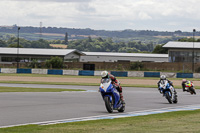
{"points": [[106, 84]]}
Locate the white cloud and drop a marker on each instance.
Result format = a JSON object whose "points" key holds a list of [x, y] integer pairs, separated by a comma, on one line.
{"points": [[51, 0], [144, 16], [103, 14]]}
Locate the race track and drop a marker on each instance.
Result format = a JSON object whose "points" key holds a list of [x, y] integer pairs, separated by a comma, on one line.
{"points": [[27, 107]]}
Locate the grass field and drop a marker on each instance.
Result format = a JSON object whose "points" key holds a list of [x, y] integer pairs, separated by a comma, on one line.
{"points": [[23, 89], [90, 80], [73, 76], [59, 46], [176, 122]]}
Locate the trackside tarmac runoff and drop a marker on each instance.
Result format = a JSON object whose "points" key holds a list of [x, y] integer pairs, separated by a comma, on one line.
{"points": [[39, 107]]}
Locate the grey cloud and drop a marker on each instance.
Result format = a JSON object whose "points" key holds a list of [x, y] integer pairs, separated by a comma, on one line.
{"points": [[37, 16], [64, 1], [86, 8]]}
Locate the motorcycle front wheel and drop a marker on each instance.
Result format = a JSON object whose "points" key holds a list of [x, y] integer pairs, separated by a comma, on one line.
{"points": [[168, 97], [192, 91], [108, 104], [175, 99]]}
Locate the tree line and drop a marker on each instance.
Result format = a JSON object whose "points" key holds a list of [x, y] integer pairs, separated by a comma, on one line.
{"points": [[93, 45], [101, 33], [87, 45], [107, 45], [23, 43]]}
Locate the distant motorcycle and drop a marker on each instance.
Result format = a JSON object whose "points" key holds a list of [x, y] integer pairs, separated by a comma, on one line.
{"points": [[111, 96], [189, 87], [168, 91]]}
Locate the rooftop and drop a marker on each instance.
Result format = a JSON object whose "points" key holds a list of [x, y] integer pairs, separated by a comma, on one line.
{"points": [[182, 45], [125, 54], [37, 51]]}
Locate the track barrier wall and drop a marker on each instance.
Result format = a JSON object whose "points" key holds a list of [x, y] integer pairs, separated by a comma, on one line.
{"points": [[70, 72], [8, 70], [39, 71], [151, 74], [119, 74], [24, 70], [98, 73], [55, 72], [86, 73], [184, 75]]}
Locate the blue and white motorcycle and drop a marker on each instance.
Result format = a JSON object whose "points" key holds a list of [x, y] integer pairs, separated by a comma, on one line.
{"points": [[168, 91], [111, 96]]}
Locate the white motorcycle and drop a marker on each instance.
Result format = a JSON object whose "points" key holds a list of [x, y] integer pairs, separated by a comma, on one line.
{"points": [[168, 91]]}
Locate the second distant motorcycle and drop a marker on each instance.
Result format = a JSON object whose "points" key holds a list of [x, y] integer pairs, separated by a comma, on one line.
{"points": [[188, 86]]}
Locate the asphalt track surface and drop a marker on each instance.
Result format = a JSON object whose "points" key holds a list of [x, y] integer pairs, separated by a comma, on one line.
{"points": [[30, 107]]}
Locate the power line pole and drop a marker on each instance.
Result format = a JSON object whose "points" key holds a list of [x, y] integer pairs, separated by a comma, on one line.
{"points": [[193, 51], [40, 30], [18, 47]]}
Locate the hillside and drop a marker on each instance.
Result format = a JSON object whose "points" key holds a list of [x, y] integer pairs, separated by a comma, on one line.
{"points": [[54, 33]]}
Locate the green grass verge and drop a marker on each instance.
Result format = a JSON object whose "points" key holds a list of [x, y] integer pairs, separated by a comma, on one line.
{"points": [[23, 89], [73, 76], [85, 84], [180, 122], [82, 84], [49, 83], [46, 75]]}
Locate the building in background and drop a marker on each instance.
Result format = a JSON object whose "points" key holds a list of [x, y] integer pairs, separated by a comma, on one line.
{"points": [[183, 51], [29, 54], [122, 57]]}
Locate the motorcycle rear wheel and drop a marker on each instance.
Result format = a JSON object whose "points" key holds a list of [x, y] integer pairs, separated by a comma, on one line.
{"points": [[122, 109], [108, 104]]}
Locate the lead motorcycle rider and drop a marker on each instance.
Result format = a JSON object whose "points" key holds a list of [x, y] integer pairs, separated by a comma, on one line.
{"points": [[115, 82], [163, 77]]}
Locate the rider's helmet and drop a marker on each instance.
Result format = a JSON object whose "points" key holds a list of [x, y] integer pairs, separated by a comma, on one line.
{"points": [[104, 74], [184, 81], [162, 77]]}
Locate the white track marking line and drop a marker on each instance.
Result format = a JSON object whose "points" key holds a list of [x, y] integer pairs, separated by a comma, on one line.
{"points": [[113, 116]]}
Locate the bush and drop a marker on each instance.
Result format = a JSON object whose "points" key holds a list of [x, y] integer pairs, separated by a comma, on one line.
{"points": [[34, 64], [54, 62], [136, 65], [48, 64], [198, 70]]}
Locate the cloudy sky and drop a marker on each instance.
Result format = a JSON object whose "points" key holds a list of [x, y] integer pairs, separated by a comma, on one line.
{"points": [[161, 15]]}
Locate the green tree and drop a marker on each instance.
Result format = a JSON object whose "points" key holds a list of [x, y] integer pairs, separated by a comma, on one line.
{"points": [[40, 44], [186, 39], [48, 64], [89, 39], [160, 50], [34, 64], [2, 43], [54, 62], [136, 65], [100, 39], [14, 46]]}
